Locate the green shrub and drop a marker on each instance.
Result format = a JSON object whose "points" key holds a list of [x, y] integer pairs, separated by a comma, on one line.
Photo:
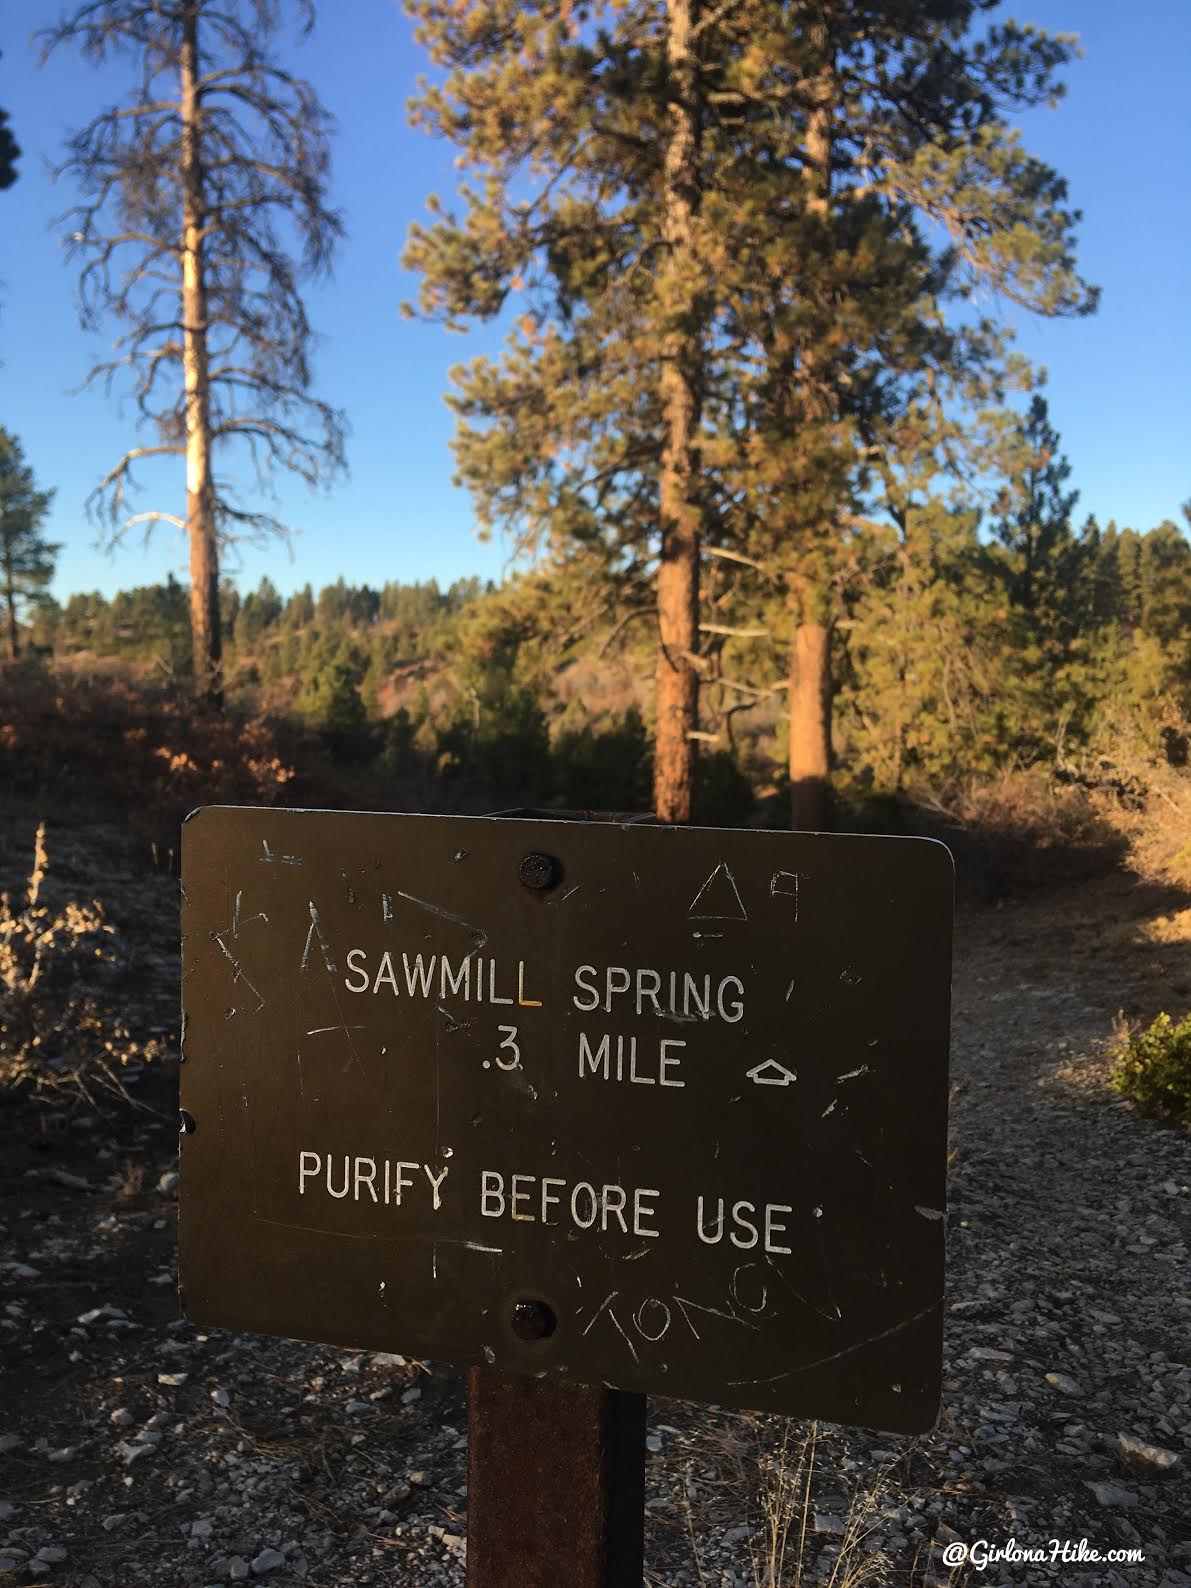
{"points": [[1154, 1068], [608, 768], [332, 704], [723, 794]]}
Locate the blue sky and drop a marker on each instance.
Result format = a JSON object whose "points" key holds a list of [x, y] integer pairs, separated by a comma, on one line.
{"points": [[1118, 383]]}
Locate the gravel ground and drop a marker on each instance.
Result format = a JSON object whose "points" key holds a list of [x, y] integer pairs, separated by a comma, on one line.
{"points": [[137, 1449]]}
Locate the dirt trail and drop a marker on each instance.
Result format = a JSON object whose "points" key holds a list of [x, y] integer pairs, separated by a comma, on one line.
{"points": [[139, 1450]]}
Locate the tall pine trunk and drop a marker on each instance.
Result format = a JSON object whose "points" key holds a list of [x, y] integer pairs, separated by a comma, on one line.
{"points": [[810, 647], [678, 571], [206, 638], [810, 727]]}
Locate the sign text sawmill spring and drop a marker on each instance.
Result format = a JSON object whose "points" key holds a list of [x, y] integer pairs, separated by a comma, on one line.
{"points": [[661, 1108]]}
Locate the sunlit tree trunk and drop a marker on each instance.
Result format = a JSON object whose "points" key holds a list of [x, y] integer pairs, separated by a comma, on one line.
{"points": [[200, 494], [810, 726], [678, 572], [810, 650]]}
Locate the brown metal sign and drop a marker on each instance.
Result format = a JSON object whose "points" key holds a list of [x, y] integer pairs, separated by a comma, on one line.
{"points": [[655, 1107]]}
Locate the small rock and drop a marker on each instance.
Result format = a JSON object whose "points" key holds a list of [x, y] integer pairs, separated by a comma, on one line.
{"points": [[358, 1408], [121, 1417], [172, 1380], [828, 1524], [51, 1554], [387, 1359], [168, 1184], [9, 1442], [112, 1522], [73, 1182], [1112, 1494], [1064, 1383], [268, 1560], [1146, 1461], [106, 1311], [238, 1569], [988, 1353], [221, 1397], [67, 1453], [203, 1528], [653, 1442]]}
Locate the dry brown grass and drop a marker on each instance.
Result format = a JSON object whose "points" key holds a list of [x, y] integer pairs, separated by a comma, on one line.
{"points": [[787, 1481], [59, 1026]]}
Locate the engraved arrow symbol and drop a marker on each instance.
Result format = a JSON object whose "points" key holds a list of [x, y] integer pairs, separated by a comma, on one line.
{"points": [[770, 1073]]}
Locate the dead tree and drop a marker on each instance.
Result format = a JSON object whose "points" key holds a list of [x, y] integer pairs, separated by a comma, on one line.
{"points": [[193, 192]]}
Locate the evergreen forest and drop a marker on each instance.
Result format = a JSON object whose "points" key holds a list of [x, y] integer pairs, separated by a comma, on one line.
{"points": [[967, 647]]}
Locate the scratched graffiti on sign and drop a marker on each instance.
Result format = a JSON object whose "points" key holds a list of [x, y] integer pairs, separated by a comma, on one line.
{"points": [[691, 1096]]}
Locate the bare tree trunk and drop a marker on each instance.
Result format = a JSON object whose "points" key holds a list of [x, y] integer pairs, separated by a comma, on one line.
{"points": [[810, 727], [678, 572], [14, 648], [206, 637], [810, 650]]}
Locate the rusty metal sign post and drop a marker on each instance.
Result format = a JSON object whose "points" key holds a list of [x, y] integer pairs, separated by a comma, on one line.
{"points": [[555, 1483], [555, 1471], [596, 1109]]}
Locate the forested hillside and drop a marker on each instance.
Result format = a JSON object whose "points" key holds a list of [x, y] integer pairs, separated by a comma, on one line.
{"points": [[961, 655]]}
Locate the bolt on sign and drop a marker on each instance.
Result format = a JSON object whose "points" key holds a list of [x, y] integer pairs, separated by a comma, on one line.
{"points": [[662, 1108]]}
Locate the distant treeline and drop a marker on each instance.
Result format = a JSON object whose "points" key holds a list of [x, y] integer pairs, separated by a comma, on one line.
{"points": [[269, 638], [959, 656]]}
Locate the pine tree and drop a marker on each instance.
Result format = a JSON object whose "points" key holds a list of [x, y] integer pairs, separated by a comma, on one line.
{"points": [[1047, 573], [892, 131], [191, 190], [1166, 588], [590, 148], [927, 694], [1035, 526], [26, 557], [720, 222]]}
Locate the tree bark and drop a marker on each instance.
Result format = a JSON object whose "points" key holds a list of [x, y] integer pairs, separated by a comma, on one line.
{"points": [[14, 648], [677, 683], [206, 637], [810, 727], [810, 650]]}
